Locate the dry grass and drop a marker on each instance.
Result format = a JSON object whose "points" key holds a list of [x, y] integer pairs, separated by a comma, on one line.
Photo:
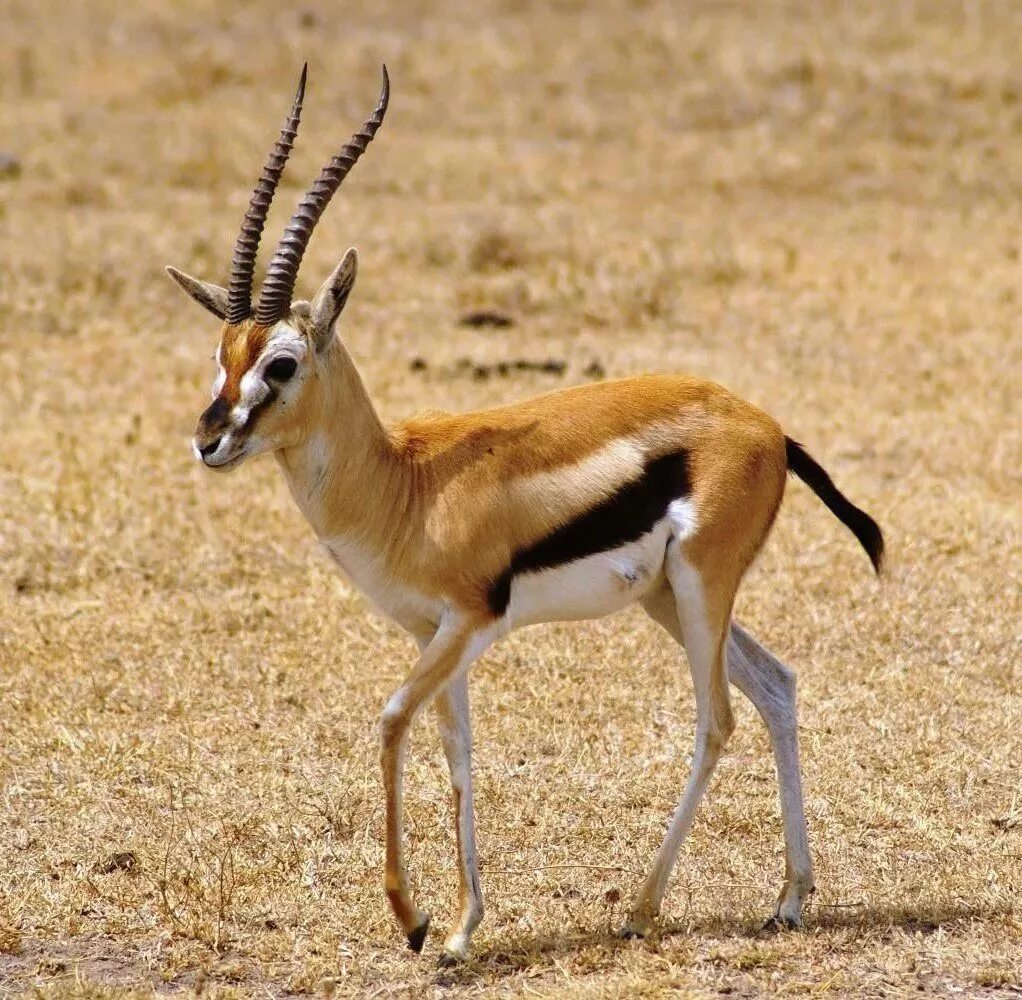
{"points": [[817, 204]]}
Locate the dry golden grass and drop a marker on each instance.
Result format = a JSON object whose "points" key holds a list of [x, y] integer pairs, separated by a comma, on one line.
{"points": [[817, 204]]}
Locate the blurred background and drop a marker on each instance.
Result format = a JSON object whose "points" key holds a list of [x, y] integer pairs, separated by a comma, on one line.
{"points": [[814, 203]]}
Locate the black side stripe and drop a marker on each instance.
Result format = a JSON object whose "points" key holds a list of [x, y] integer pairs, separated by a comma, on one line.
{"points": [[622, 518]]}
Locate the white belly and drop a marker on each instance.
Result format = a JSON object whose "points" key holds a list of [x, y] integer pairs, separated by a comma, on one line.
{"points": [[591, 587]]}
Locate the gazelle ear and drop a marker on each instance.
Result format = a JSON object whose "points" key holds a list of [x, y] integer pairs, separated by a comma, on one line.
{"points": [[330, 299], [210, 297]]}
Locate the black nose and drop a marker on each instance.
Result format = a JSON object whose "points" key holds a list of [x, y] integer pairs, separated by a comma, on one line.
{"points": [[212, 425], [217, 412]]}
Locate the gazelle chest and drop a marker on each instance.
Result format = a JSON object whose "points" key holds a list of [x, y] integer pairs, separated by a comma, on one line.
{"points": [[411, 609]]}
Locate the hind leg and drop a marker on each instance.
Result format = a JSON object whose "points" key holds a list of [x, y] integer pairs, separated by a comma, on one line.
{"points": [[703, 617], [770, 686]]}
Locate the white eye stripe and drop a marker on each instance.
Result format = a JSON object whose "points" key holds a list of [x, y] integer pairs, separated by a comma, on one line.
{"points": [[253, 390], [283, 343], [221, 375]]}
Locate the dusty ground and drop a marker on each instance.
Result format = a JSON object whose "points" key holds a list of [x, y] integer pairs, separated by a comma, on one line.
{"points": [[819, 205]]}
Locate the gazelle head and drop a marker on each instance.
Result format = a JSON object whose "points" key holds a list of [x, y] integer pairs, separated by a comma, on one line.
{"points": [[268, 358]]}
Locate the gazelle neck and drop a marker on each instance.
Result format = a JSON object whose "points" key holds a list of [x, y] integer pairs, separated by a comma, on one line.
{"points": [[345, 473]]}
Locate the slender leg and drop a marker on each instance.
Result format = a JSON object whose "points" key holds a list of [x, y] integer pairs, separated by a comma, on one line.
{"points": [[456, 735], [454, 646], [703, 620], [770, 686]]}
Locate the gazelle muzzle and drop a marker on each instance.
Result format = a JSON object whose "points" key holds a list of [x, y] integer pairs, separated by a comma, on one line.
{"points": [[214, 426]]}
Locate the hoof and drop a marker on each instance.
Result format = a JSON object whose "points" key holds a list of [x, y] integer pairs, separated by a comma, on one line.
{"points": [[417, 937], [780, 923], [455, 949], [635, 928]]}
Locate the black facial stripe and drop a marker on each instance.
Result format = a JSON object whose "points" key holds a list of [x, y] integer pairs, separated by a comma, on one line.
{"points": [[622, 518], [253, 415]]}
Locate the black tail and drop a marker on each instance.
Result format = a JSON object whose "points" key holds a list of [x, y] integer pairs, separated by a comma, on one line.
{"points": [[858, 521]]}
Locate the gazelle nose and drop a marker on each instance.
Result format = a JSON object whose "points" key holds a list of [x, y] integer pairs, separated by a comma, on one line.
{"points": [[207, 449]]}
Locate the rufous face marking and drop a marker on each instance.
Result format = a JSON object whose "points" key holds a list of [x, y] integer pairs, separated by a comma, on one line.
{"points": [[267, 376], [263, 346], [260, 378], [658, 489]]}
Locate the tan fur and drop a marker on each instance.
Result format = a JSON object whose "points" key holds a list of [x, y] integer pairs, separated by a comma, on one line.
{"points": [[450, 500], [434, 508], [431, 517]]}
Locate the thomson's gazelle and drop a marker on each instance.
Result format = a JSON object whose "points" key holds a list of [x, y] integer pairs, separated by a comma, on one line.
{"points": [[659, 489]]}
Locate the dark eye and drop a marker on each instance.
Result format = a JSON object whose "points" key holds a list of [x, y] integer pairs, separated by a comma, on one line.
{"points": [[281, 369]]}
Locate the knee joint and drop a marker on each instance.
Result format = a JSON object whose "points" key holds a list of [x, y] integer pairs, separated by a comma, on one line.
{"points": [[392, 723], [717, 735], [723, 722]]}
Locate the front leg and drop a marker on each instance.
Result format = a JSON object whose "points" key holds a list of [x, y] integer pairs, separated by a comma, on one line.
{"points": [[456, 735], [455, 645]]}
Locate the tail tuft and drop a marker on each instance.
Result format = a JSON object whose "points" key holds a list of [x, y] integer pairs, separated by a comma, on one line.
{"points": [[861, 525]]}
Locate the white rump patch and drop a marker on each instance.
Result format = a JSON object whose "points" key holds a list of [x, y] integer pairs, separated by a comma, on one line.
{"points": [[682, 515]]}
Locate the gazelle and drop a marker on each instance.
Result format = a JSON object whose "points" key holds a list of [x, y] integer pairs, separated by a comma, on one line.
{"points": [[461, 527]]}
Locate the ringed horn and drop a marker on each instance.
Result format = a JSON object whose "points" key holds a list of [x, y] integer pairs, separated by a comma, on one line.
{"points": [[239, 292], [279, 285]]}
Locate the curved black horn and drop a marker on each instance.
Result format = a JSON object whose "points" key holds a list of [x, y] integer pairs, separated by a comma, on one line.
{"points": [[279, 286], [239, 292]]}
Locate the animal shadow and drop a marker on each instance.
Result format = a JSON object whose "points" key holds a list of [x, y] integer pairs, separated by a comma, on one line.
{"points": [[513, 956]]}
